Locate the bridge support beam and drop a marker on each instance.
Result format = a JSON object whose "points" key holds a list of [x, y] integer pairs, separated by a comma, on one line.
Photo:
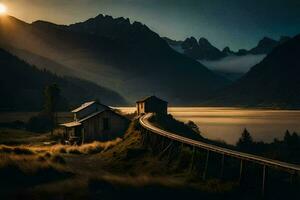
{"points": [[265, 171], [241, 172], [206, 166], [222, 166], [166, 149], [193, 158], [294, 177]]}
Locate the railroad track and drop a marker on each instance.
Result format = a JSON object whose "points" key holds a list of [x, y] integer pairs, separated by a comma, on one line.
{"points": [[292, 168]]}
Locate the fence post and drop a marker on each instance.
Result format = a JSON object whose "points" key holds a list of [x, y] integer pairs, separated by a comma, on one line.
{"points": [[206, 165], [241, 172], [294, 177], [222, 165], [264, 180], [193, 157]]}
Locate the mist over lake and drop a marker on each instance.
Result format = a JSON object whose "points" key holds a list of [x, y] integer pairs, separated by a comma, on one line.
{"points": [[227, 124]]}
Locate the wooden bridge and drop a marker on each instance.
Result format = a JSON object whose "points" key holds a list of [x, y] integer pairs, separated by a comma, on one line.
{"points": [[293, 169]]}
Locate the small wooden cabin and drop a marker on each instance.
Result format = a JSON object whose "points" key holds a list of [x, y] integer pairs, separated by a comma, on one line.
{"points": [[95, 121], [152, 104]]}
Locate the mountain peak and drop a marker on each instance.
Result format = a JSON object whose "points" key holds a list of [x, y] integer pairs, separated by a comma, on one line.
{"points": [[267, 41], [189, 43], [227, 51], [274, 82], [265, 46], [204, 42], [284, 39]]}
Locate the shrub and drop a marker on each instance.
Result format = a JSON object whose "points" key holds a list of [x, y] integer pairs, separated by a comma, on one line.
{"points": [[16, 150], [62, 150], [47, 155], [41, 159], [58, 159], [168, 123], [74, 150]]}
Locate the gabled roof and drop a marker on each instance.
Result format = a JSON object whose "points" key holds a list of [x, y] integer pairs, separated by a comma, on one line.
{"points": [[87, 104], [71, 124], [83, 106], [99, 112], [90, 116], [151, 97], [78, 123]]}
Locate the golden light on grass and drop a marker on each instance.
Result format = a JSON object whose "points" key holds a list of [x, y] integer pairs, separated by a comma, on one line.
{"points": [[3, 9]]}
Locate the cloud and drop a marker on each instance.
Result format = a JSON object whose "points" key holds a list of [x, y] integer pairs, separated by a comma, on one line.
{"points": [[239, 64]]}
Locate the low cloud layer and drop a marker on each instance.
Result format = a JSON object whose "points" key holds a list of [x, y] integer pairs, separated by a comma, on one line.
{"points": [[238, 64]]}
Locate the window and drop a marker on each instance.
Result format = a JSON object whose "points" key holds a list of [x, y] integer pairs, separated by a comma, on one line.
{"points": [[106, 125]]}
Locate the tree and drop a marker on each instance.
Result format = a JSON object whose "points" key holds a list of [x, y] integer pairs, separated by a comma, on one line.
{"points": [[193, 126], [245, 142], [288, 138], [52, 98]]}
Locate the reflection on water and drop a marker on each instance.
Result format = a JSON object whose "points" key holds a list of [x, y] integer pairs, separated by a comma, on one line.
{"points": [[227, 123]]}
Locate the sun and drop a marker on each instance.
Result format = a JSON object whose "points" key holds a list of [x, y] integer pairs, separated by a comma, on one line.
{"points": [[3, 9]]}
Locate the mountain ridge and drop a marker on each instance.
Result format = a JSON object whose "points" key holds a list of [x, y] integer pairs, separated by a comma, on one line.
{"points": [[206, 51], [22, 86], [125, 63], [274, 82]]}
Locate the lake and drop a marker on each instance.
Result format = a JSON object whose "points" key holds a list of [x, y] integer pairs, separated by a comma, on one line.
{"points": [[227, 124]]}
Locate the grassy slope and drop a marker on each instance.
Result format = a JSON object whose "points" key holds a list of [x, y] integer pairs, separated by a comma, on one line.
{"points": [[114, 170]]}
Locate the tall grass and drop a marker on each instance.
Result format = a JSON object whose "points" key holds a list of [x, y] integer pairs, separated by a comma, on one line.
{"points": [[91, 148], [17, 171]]}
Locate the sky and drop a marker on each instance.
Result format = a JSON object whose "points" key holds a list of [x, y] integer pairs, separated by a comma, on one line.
{"points": [[234, 23]]}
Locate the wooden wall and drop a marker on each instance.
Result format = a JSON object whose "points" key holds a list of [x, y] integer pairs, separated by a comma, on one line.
{"points": [[94, 130]]}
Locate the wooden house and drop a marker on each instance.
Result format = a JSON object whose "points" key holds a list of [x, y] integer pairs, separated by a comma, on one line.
{"points": [[95, 121], [152, 104]]}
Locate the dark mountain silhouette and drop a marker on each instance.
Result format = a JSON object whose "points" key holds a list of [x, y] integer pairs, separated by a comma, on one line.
{"points": [[265, 46], [126, 57], [22, 87], [227, 51], [198, 50], [274, 82], [203, 50], [41, 62]]}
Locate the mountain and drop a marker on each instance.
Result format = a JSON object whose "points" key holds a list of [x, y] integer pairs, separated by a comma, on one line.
{"points": [[274, 82], [41, 62], [126, 57], [198, 50], [204, 50], [227, 63], [227, 51], [22, 87], [265, 46]]}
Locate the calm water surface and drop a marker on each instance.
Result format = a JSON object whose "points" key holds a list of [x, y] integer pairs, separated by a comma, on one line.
{"points": [[227, 124]]}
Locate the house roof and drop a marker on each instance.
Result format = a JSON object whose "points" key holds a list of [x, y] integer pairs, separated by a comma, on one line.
{"points": [[78, 123], [83, 106], [71, 124], [90, 116], [151, 97], [99, 112], [87, 104]]}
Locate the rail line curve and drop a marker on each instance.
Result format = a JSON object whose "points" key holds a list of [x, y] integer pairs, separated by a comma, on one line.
{"points": [[144, 121]]}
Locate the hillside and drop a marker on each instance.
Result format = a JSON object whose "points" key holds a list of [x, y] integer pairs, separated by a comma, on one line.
{"points": [[274, 82], [22, 87], [126, 57]]}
